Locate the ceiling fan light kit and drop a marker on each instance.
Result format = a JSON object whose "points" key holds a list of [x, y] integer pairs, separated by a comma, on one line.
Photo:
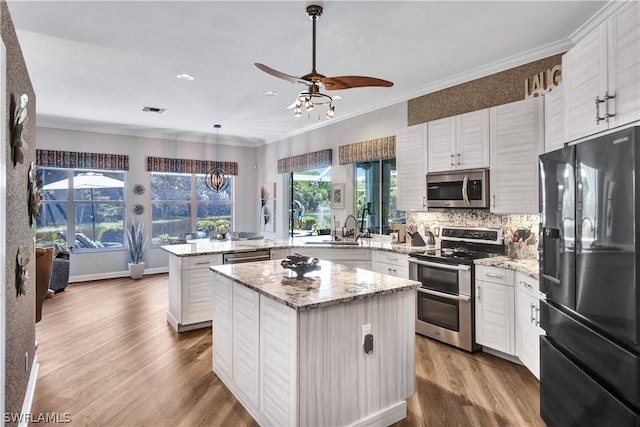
{"points": [[312, 96]]}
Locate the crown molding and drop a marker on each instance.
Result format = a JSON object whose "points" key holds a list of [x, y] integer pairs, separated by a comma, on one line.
{"points": [[601, 16]]}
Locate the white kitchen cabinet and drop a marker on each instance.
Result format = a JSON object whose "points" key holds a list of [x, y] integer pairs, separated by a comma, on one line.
{"points": [[355, 257], [246, 341], [527, 322], [517, 139], [222, 317], [191, 291], [391, 263], [554, 119], [495, 309], [605, 63], [411, 166], [459, 142]]}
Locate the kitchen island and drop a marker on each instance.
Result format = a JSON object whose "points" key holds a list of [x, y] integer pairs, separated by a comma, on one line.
{"points": [[291, 350]]}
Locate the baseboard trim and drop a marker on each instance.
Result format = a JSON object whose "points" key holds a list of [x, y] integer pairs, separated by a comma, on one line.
{"points": [[500, 354], [386, 417], [25, 416], [179, 327], [114, 275]]}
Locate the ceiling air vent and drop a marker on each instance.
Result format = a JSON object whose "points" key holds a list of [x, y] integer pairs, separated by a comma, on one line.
{"points": [[156, 110]]}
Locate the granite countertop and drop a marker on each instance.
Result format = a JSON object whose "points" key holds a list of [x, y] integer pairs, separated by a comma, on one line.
{"points": [[209, 247], [530, 267], [332, 284]]}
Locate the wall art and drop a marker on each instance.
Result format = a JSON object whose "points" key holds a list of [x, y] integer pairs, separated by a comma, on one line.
{"points": [[337, 196], [268, 207], [138, 209], [138, 189], [18, 121], [22, 272], [35, 194]]}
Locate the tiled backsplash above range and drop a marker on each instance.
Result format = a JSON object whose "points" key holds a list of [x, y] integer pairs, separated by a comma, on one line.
{"points": [[479, 218]]}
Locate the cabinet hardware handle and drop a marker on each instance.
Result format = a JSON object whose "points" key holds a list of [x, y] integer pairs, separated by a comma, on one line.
{"points": [[390, 258], [523, 283], [493, 200], [607, 97], [537, 322], [531, 315], [599, 101], [395, 272], [478, 293], [498, 276], [424, 201], [203, 262], [459, 159]]}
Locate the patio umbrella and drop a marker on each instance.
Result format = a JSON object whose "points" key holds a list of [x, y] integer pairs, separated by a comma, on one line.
{"points": [[86, 181]]}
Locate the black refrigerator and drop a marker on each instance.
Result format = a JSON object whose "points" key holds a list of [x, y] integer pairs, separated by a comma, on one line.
{"points": [[589, 232]]}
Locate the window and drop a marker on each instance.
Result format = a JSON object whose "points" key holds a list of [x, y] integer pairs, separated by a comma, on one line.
{"points": [[310, 211], [376, 184], [182, 203], [85, 203]]}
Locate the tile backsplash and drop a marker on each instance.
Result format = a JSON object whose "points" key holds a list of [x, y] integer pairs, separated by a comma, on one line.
{"points": [[480, 218]]}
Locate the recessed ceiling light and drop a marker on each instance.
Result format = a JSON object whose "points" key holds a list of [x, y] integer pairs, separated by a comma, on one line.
{"points": [[185, 76], [269, 93]]}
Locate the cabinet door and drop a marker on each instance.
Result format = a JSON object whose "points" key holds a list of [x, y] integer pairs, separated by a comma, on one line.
{"points": [[198, 303], [441, 136], [246, 341], [624, 65], [584, 69], [411, 166], [554, 119], [495, 316], [527, 331], [222, 327], [472, 140], [517, 138]]}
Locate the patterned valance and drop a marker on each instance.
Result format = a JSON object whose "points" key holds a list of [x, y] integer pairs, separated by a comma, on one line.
{"points": [[77, 160], [164, 164], [366, 151], [317, 159]]}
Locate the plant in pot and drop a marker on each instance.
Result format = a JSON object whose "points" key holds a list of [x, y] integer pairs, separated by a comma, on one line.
{"points": [[136, 244]]}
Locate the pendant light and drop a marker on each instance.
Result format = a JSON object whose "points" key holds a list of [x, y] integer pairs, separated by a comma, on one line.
{"points": [[216, 179]]}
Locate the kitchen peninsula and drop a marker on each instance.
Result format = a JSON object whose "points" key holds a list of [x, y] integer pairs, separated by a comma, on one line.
{"points": [[292, 350]]}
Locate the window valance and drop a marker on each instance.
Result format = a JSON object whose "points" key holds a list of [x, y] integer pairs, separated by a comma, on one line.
{"points": [[165, 164], [317, 159], [77, 160], [366, 151]]}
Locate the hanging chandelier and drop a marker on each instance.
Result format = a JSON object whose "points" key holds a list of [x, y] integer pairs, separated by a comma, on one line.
{"points": [[216, 179], [311, 98]]}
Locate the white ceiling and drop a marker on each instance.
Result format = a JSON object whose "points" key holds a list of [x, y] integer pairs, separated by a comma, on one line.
{"points": [[95, 64]]}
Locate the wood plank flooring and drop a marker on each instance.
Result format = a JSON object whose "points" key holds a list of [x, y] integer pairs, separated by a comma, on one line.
{"points": [[109, 358]]}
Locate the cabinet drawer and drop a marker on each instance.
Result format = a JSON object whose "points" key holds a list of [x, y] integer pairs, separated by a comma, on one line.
{"points": [[391, 258], [527, 284], [494, 275], [202, 261]]}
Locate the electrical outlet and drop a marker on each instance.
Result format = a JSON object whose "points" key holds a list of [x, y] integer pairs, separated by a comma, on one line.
{"points": [[366, 330]]}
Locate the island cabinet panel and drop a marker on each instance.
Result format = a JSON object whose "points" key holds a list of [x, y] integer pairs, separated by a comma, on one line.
{"points": [[339, 383], [246, 340], [222, 321], [278, 363], [190, 291], [354, 257]]}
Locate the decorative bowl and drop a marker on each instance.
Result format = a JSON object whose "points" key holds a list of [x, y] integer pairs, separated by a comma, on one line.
{"points": [[300, 264]]}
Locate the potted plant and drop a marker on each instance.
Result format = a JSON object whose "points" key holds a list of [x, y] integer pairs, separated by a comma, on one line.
{"points": [[136, 244]]}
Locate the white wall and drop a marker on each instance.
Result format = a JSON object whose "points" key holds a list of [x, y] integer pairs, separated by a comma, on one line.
{"points": [[377, 124], [113, 264]]}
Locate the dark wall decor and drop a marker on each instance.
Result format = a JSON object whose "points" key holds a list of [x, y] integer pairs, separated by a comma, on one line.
{"points": [[35, 195], [138, 189], [496, 89], [19, 116], [22, 271]]}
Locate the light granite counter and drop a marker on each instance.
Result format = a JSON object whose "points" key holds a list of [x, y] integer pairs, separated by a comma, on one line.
{"points": [[212, 247], [530, 267], [332, 284]]}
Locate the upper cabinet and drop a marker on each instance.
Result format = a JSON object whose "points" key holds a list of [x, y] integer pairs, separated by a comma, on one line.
{"points": [[459, 142], [517, 139], [554, 119], [602, 76], [411, 162]]}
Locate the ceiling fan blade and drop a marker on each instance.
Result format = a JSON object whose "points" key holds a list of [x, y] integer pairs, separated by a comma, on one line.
{"points": [[280, 74], [348, 82]]}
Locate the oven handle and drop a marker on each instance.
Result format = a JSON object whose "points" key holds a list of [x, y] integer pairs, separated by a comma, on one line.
{"points": [[443, 295], [460, 267]]}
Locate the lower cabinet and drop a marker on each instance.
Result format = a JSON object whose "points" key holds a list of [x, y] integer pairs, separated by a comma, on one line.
{"points": [[495, 309], [356, 257], [527, 323], [190, 291], [390, 263]]}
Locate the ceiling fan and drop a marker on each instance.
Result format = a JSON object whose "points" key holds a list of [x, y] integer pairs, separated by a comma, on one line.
{"points": [[314, 80]]}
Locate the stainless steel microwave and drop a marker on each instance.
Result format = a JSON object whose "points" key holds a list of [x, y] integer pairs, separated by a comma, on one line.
{"points": [[458, 189]]}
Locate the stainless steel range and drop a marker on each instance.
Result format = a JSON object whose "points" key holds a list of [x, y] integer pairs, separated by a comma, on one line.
{"points": [[445, 304]]}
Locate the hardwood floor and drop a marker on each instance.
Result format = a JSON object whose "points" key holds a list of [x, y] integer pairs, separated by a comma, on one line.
{"points": [[109, 358]]}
